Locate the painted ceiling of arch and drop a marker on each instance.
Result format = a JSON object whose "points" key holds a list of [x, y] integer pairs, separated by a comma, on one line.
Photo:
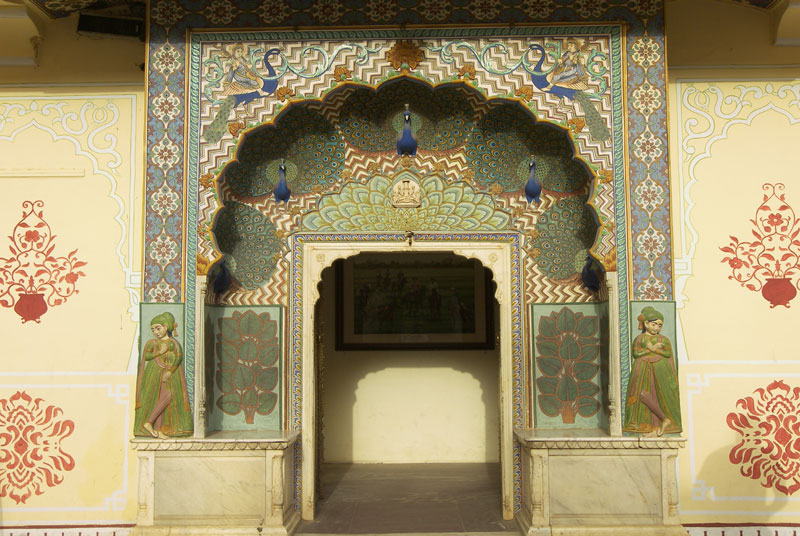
{"points": [[472, 164], [64, 8]]}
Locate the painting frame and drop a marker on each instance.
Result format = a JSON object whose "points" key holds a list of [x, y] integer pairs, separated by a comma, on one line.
{"points": [[466, 288]]}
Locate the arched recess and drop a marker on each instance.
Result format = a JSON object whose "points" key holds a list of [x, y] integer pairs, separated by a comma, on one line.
{"points": [[312, 253], [339, 143]]}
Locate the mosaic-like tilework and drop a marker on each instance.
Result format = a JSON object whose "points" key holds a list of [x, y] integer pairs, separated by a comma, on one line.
{"points": [[462, 135], [436, 11], [169, 20], [321, 143]]}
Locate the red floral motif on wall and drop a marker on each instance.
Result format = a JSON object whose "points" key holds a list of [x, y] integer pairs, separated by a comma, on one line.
{"points": [[31, 458], [770, 263], [770, 427], [33, 278]]}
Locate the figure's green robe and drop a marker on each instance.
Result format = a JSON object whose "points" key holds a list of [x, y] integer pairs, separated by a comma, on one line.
{"points": [[177, 418], [656, 375]]}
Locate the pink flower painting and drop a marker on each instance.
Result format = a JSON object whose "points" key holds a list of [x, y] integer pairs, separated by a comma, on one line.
{"points": [[770, 263], [31, 457], [769, 424], [33, 278]]}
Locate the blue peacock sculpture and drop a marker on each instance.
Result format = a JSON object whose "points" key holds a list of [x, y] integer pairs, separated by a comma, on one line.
{"points": [[406, 140], [533, 188], [282, 192]]}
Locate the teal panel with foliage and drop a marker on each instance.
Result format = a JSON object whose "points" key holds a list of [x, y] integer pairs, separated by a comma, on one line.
{"points": [[570, 365], [243, 367]]}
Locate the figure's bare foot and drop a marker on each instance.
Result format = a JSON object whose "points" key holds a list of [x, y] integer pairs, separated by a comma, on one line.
{"points": [[652, 433], [162, 435], [664, 425], [149, 427]]}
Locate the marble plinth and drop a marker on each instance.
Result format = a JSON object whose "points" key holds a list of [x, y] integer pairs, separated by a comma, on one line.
{"points": [[229, 483], [580, 483]]}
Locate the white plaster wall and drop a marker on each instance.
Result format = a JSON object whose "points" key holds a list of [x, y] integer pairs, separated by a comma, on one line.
{"points": [[407, 406]]}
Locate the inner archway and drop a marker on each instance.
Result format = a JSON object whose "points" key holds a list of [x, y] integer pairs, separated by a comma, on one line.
{"points": [[408, 423], [499, 252]]}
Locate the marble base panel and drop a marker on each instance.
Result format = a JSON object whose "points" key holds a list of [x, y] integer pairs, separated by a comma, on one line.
{"points": [[233, 484], [597, 486]]}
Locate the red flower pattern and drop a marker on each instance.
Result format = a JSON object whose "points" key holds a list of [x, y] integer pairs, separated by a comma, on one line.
{"points": [[770, 427], [775, 252], [31, 458], [33, 269], [774, 219]]}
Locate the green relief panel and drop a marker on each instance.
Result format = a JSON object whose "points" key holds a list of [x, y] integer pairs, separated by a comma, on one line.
{"points": [[570, 365], [650, 383], [160, 412], [243, 367]]}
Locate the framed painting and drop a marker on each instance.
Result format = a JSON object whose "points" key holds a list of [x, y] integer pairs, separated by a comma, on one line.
{"points": [[399, 301]]}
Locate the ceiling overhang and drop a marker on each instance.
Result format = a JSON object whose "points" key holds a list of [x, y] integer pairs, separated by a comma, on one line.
{"points": [[786, 24], [19, 37]]}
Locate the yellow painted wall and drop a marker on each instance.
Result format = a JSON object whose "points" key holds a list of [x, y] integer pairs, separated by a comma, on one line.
{"points": [[71, 136], [407, 406], [734, 126]]}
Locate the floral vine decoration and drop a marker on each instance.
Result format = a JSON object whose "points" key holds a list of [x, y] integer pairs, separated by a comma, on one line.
{"points": [[770, 263], [33, 278]]}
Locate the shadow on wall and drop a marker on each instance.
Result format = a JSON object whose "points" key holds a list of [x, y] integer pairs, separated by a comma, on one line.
{"points": [[720, 481], [406, 406]]}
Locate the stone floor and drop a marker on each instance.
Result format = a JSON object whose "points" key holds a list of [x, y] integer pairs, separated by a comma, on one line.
{"points": [[409, 498]]}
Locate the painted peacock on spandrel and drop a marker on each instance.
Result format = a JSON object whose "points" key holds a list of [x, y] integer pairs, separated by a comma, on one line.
{"points": [[241, 84], [566, 82]]}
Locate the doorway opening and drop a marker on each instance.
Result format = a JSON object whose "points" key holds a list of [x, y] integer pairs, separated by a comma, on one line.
{"points": [[313, 253], [407, 396]]}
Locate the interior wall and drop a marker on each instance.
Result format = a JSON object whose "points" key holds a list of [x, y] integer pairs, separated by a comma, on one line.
{"points": [[419, 406]]}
